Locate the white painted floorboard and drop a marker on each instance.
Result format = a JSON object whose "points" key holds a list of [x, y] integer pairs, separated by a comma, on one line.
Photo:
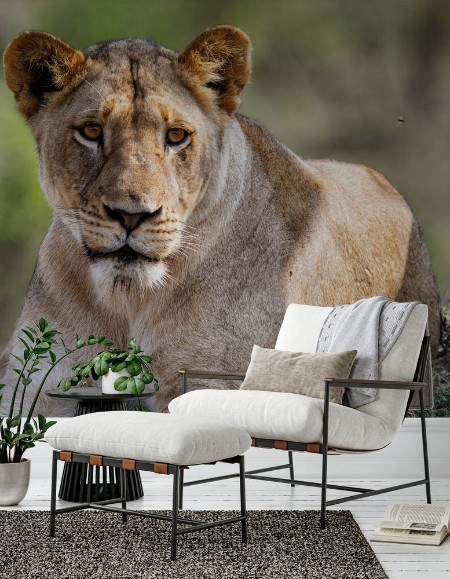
{"points": [[399, 561]]}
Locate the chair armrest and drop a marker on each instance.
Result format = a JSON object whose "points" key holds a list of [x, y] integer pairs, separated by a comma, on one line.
{"points": [[206, 375], [379, 384]]}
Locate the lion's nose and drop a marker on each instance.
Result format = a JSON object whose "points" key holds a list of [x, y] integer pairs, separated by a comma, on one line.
{"points": [[130, 221]]}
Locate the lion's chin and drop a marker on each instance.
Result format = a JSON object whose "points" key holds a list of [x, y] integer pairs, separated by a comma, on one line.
{"points": [[112, 277]]}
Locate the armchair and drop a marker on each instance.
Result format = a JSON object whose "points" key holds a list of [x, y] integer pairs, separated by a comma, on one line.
{"points": [[296, 423]]}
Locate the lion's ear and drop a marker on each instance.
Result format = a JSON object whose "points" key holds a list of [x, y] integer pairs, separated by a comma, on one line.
{"points": [[37, 63], [219, 59]]}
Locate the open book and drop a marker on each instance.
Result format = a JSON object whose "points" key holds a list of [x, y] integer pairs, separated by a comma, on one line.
{"points": [[414, 523]]}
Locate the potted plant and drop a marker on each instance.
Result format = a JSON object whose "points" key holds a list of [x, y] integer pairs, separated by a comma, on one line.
{"points": [[126, 370], [20, 431]]}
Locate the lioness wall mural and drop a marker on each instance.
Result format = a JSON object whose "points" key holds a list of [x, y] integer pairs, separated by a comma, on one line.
{"points": [[184, 224]]}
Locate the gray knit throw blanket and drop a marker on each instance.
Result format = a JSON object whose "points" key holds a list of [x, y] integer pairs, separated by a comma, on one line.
{"points": [[370, 326]]}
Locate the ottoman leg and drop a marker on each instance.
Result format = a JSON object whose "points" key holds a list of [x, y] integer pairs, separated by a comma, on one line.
{"points": [[243, 502], [53, 493], [123, 492], [176, 494], [181, 489]]}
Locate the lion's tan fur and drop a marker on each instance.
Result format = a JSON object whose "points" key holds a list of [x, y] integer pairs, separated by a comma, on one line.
{"points": [[244, 227]]}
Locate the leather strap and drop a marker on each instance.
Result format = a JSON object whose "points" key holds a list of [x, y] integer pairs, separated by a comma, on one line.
{"points": [[65, 456], [95, 459], [128, 464], [313, 447], [161, 468], [280, 444]]}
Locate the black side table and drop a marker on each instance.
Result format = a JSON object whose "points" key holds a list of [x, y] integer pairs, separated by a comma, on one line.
{"points": [[104, 481]]}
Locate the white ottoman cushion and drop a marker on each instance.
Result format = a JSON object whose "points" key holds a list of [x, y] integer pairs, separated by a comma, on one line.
{"points": [[149, 436]]}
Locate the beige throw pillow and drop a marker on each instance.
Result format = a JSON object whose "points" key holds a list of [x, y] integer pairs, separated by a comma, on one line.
{"points": [[296, 372]]}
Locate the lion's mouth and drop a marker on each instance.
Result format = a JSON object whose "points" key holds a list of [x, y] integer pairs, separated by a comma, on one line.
{"points": [[125, 255]]}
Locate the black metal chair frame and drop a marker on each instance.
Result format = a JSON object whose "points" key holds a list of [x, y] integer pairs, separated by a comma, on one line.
{"points": [[323, 448], [135, 465]]}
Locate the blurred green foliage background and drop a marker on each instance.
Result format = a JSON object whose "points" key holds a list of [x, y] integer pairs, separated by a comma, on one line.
{"points": [[365, 81]]}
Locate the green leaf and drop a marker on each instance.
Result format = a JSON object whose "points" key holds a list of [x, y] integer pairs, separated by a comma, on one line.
{"points": [[147, 359], [41, 347], [104, 368], [140, 385], [130, 384], [42, 324], [31, 330], [121, 384], [66, 385], [147, 377], [17, 437], [51, 333], [29, 334], [12, 422], [118, 367], [26, 381], [133, 368], [2, 386], [41, 421], [52, 356], [97, 367], [25, 343], [80, 344]]}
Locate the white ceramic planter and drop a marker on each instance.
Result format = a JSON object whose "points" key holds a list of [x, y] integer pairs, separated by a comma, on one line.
{"points": [[14, 481], [108, 382]]}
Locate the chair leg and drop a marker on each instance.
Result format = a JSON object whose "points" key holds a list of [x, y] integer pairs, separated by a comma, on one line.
{"points": [[176, 492], [425, 447], [243, 501], [53, 493], [89, 485], [323, 505], [291, 467], [181, 489]]}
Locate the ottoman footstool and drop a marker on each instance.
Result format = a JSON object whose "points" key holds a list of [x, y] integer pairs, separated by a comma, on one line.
{"points": [[160, 443]]}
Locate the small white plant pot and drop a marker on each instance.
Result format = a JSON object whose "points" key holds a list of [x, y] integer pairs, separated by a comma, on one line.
{"points": [[109, 379], [14, 481]]}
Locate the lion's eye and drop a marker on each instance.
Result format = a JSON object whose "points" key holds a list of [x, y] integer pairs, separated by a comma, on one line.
{"points": [[91, 132], [176, 136]]}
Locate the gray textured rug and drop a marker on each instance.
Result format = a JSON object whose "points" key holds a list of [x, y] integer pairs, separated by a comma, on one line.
{"points": [[89, 545]]}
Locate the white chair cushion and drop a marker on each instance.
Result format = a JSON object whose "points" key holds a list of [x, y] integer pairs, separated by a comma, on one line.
{"points": [[285, 416], [149, 436], [300, 331], [301, 327]]}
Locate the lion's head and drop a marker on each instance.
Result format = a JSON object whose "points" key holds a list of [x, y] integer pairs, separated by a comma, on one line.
{"points": [[129, 136]]}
